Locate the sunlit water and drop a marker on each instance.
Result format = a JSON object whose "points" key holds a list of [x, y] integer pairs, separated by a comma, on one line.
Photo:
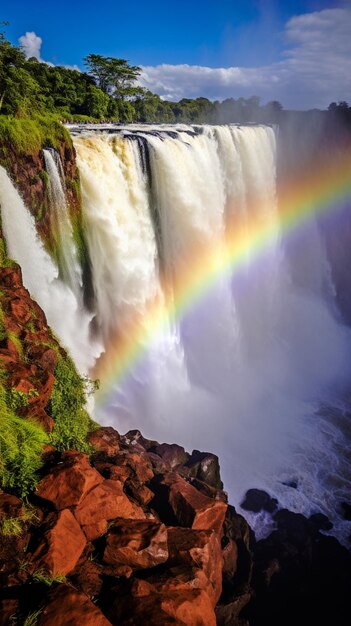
{"points": [[256, 370]]}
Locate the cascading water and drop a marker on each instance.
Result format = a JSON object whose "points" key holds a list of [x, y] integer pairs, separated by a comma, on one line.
{"points": [[244, 370], [41, 277], [61, 227]]}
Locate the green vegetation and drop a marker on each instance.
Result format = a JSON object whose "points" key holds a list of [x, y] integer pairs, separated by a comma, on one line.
{"points": [[15, 526], [11, 527], [72, 422], [21, 444], [32, 618], [45, 577], [27, 135]]}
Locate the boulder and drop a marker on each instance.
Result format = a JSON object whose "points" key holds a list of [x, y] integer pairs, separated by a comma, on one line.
{"points": [[199, 549], [105, 439], [205, 467], [172, 604], [61, 546], [107, 501], [175, 499], [69, 483], [258, 500], [138, 544], [68, 607], [172, 454]]}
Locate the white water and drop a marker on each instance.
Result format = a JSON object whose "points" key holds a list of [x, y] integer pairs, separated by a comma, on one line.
{"points": [[40, 276], [244, 373], [60, 223]]}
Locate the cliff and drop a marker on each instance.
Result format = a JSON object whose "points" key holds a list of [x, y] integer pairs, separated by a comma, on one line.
{"points": [[101, 528]]}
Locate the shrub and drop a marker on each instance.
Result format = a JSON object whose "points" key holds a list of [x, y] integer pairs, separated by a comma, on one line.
{"points": [[21, 444], [72, 422]]}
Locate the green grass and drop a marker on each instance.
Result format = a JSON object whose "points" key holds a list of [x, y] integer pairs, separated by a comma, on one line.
{"points": [[32, 618], [28, 135], [21, 444], [11, 527], [48, 579], [72, 422]]}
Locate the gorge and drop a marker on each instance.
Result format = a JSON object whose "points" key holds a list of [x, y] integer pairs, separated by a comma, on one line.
{"points": [[204, 293]]}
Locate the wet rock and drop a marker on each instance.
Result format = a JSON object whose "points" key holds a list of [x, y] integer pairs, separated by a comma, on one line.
{"points": [[68, 607], [320, 521], [176, 500], [201, 550], [205, 467], [172, 454], [258, 500], [105, 439], [61, 547], [68, 484], [346, 509], [137, 544]]}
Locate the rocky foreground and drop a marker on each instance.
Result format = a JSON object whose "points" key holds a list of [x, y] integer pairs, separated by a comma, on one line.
{"points": [[136, 532]]}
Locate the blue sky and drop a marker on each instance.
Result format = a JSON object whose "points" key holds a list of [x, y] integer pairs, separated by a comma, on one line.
{"points": [[214, 48]]}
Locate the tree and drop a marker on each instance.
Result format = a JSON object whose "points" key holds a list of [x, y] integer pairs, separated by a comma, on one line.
{"points": [[114, 76]]}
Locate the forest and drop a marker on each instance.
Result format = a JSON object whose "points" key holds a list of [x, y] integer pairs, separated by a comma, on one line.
{"points": [[108, 90]]}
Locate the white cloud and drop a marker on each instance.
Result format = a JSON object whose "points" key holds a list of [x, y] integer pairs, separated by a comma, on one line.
{"points": [[31, 45], [316, 68]]}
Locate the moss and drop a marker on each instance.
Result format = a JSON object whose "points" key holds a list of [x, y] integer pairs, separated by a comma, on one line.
{"points": [[16, 342], [29, 135], [21, 444], [66, 406]]}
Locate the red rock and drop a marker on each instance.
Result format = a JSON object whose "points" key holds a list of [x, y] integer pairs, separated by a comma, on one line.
{"points": [[172, 454], [24, 386], [87, 577], [105, 439], [68, 607], [190, 507], [93, 531], [140, 493], [159, 465], [200, 549], [107, 501], [174, 605], [42, 418], [20, 311], [140, 465], [11, 277], [138, 544], [61, 547], [67, 485], [10, 506]]}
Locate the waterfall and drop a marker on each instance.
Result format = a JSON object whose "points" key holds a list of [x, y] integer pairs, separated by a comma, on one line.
{"points": [[61, 226], [41, 277], [245, 369]]}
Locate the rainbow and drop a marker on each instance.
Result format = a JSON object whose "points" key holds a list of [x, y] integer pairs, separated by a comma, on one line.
{"points": [[320, 192]]}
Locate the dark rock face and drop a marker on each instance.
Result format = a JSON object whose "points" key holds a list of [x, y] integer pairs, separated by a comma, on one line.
{"points": [[300, 576], [257, 500]]}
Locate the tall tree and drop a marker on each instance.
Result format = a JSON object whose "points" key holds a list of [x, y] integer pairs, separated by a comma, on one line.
{"points": [[114, 76]]}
